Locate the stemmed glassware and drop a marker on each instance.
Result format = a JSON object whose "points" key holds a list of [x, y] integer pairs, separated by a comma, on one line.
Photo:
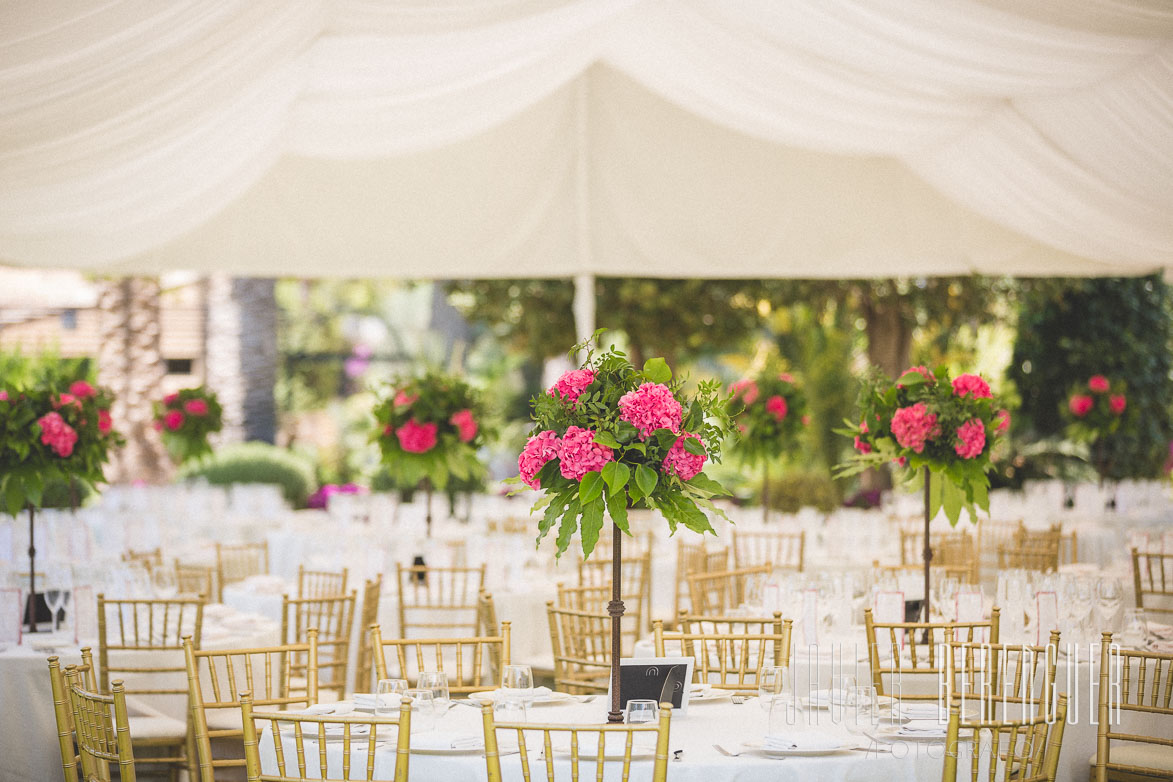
{"points": [[1109, 598], [771, 684], [388, 693], [58, 589], [437, 683], [518, 682], [423, 709]]}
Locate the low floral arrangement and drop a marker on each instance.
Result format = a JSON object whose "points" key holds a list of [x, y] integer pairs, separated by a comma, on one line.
{"points": [[926, 420], [1094, 410], [431, 427], [186, 419], [608, 437], [48, 434], [769, 411]]}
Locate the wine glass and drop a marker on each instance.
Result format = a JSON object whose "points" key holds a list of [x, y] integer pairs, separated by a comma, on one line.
{"points": [[866, 716], [1135, 634], [1109, 598], [771, 682], [509, 709], [423, 709], [58, 586], [388, 693], [437, 682], [518, 682], [640, 711]]}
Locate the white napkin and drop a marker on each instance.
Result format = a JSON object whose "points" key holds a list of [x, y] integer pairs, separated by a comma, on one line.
{"points": [[803, 739], [915, 727], [368, 701], [538, 694], [828, 697], [921, 711], [442, 741]]}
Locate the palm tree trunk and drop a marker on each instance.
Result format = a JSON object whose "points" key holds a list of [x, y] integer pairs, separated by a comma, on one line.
{"points": [[240, 346]]}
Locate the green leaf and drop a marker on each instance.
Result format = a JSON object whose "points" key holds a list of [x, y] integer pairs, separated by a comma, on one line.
{"points": [[981, 493], [641, 447], [33, 488], [657, 371], [646, 479], [590, 488], [13, 497], [626, 432], [617, 510], [952, 499], [605, 438], [616, 474], [592, 523], [911, 378], [936, 483], [568, 526], [693, 446], [707, 485]]}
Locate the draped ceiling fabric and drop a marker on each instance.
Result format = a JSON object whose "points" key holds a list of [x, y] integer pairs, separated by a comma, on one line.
{"points": [[459, 138]]}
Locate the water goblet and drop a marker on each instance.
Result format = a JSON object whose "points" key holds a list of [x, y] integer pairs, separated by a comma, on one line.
{"points": [[866, 715], [640, 711], [1109, 598], [423, 709], [517, 681], [437, 682], [509, 709], [1135, 634], [771, 682], [842, 686], [388, 693]]}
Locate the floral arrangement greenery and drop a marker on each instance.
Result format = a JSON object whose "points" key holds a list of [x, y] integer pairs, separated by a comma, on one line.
{"points": [[926, 420], [431, 427], [1095, 410], [49, 436], [769, 411], [186, 419], [608, 437]]}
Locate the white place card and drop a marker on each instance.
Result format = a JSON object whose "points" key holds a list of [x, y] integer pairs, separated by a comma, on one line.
{"points": [[85, 614], [1046, 616], [11, 615]]}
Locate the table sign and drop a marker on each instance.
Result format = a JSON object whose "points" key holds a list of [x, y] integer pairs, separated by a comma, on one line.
{"points": [[659, 679], [11, 618], [85, 614], [969, 606], [1046, 616]]}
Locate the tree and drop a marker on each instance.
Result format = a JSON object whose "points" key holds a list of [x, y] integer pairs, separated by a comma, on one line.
{"points": [[1069, 330]]}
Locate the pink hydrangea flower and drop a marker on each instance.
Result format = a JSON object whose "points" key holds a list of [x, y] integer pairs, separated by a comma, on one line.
{"points": [[900, 461], [578, 453], [1002, 422], [651, 407], [415, 437], [776, 406], [388, 430], [971, 439], [1080, 405], [747, 390], [466, 425], [539, 449], [1117, 403], [57, 434], [172, 420], [82, 389], [786, 377], [67, 399], [170, 399], [1098, 384], [806, 420], [861, 446], [3, 396], [924, 371], [680, 462], [402, 398], [913, 425], [571, 385], [971, 384], [196, 407], [105, 422]]}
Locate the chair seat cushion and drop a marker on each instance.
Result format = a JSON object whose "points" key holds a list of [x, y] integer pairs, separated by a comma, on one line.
{"points": [[1143, 755]]}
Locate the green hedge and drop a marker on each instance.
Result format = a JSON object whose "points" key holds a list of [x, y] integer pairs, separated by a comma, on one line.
{"points": [[256, 463], [798, 489]]}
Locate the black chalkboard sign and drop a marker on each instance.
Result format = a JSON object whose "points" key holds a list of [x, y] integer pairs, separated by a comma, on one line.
{"points": [[659, 679]]}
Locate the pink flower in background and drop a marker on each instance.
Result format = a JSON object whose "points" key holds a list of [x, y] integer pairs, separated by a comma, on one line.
{"points": [[67, 399], [388, 430], [971, 437], [402, 398], [105, 422], [651, 407], [196, 407], [776, 406], [901, 461], [913, 425], [170, 399], [466, 426], [1098, 384], [1002, 422], [925, 371], [680, 462], [57, 434], [863, 426], [806, 420], [82, 389], [747, 390], [1080, 405], [1117, 403], [579, 453], [971, 384], [539, 449], [3, 396], [786, 377], [173, 420], [415, 437], [862, 446], [571, 385]]}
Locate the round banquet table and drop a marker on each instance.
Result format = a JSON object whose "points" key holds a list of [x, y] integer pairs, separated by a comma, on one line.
{"points": [[28, 727]]}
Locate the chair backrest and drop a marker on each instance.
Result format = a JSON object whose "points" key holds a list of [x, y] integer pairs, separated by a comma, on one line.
{"points": [[727, 660], [914, 649], [149, 558], [469, 662], [579, 743], [720, 592], [594, 600], [1002, 681], [298, 743], [1152, 581], [369, 615], [993, 534], [635, 582], [1023, 750], [194, 580], [321, 583], [694, 558], [144, 635], [239, 561], [333, 618], [581, 641], [215, 679], [1032, 549], [955, 553], [438, 600], [102, 729], [782, 550], [1136, 683], [63, 710]]}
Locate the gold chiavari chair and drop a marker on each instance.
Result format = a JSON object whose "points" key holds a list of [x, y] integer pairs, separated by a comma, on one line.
{"points": [[594, 600], [149, 559], [320, 583], [333, 618], [636, 582], [63, 711], [1133, 683], [581, 641], [239, 561], [469, 662], [993, 534], [781, 550], [439, 600], [371, 593], [141, 642], [1023, 750], [215, 679], [955, 553], [1069, 548], [1032, 550], [727, 661], [102, 729], [913, 649], [1002, 681], [510, 525], [193, 580], [486, 615], [719, 593], [306, 758], [694, 558], [579, 749], [1152, 581]]}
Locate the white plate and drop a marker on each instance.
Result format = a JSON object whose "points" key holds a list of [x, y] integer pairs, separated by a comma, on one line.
{"points": [[759, 746], [486, 696]]}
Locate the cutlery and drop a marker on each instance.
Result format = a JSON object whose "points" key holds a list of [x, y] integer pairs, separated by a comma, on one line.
{"points": [[726, 752], [738, 699]]}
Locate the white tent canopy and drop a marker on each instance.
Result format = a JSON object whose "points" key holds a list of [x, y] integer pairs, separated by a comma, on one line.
{"points": [[459, 138]]}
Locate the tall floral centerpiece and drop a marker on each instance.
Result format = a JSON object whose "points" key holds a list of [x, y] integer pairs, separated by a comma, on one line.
{"points": [[1094, 411], [428, 430], [608, 437], [50, 434], [769, 410], [935, 429], [186, 419]]}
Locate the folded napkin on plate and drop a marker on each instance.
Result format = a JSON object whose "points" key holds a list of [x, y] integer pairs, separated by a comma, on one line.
{"points": [[319, 709], [803, 739], [828, 697], [367, 701], [442, 741], [921, 711], [539, 693], [921, 726]]}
